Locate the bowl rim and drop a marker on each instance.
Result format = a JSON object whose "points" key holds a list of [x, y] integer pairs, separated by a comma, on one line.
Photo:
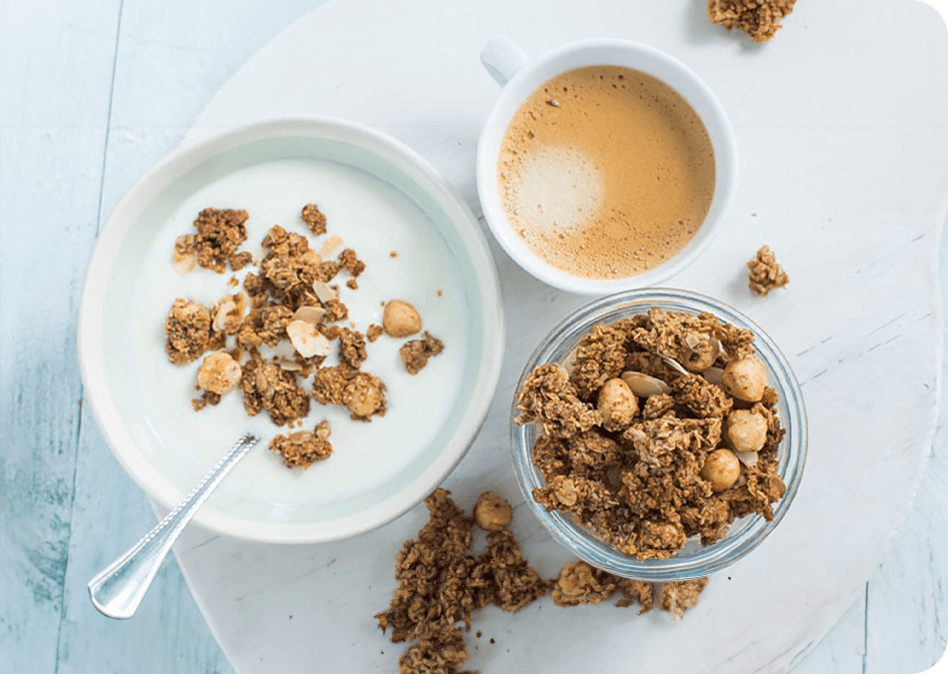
{"points": [[486, 166], [122, 220], [708, 559]]}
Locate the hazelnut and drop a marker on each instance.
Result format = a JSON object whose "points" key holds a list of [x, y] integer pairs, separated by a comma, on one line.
{"points": [[617, 405], [745, 379], [492, 513], [364, 396], [746, 430], [702, 352], [400, 319], [721, 469], [219, 373]]}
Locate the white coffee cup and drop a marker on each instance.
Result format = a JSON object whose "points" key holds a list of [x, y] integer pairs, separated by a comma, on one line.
{"points": [[520, 76]]}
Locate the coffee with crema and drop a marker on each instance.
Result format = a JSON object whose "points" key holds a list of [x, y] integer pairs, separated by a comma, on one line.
{"points": [[606, 172]]}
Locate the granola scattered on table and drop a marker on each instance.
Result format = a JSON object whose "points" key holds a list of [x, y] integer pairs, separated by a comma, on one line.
{"points": [[764, 274], [760, 19]]}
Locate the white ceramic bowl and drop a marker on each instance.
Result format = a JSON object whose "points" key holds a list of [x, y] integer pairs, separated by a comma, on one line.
{"points": [[155, 455], [521, 76]]}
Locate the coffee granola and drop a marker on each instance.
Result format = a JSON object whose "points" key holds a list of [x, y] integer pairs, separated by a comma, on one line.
{"points": [[764, 274], [187, 331], [220, 233], [646, 476], [579, 583], [303, 448], [415, 353], [760, 19], [314, 219], [679, 596], [441, 583]]}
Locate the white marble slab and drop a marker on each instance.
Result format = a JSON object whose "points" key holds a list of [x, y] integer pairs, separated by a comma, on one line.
{"points": [[818, 150]]}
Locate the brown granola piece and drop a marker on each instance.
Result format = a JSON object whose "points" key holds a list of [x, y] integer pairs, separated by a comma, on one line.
{"points": [[658, 406], [187, 331], [264, 325], [352, 284], [220, 233], [349, 261], [600, 356], [441, 652], [351, 347], [679, 596], [701, 398], [240, 260], [374, 332], [303, 448], [207, 398], [660, 442], [548, 398], [579, 583], [515, 582], [635, 591], [267, 386], [314, 219], [336, 311], [764, 274], [415, 353], [760, 19], [329, 384]]}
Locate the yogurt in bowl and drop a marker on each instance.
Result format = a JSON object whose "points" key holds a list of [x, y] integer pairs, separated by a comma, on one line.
{"points": [[420, 244]]}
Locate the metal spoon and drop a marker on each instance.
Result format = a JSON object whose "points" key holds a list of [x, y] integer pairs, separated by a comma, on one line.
{"points": [[118, 590]]}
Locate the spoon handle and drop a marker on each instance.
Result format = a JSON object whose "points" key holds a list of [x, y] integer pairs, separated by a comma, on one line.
{"points": [[119, 589]]}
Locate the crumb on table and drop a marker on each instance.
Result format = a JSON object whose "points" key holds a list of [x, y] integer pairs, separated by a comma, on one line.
{"points": [[764, 273], [679, 596], [760, 19]]}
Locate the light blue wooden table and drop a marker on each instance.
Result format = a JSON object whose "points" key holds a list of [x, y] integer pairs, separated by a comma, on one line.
{"points": [[92, 93]]}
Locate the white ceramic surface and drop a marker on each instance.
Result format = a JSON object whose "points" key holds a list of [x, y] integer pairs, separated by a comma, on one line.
{"points": [[506, 63], [394, 201], [860, 321]]}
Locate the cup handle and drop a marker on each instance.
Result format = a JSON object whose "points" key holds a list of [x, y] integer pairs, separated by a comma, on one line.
{"points": [[502, 58]]}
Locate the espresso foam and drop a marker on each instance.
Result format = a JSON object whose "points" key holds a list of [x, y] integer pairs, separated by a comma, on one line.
{"points": [[556, 189], [606, 172]]}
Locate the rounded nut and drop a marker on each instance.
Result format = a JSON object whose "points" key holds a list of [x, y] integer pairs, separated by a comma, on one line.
{"points": [[721, 469], [702, 351], [746, 430], [364, 396], [219, 373], [745, 379], [492, 512], [617, 405], [400, 319]]}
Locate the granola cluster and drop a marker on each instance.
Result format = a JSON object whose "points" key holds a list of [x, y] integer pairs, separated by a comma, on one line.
{"points": [[441, 583], [220, 232], [285, 324], [764, 274], [760, 19], [663, 429], [303, 448]]}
